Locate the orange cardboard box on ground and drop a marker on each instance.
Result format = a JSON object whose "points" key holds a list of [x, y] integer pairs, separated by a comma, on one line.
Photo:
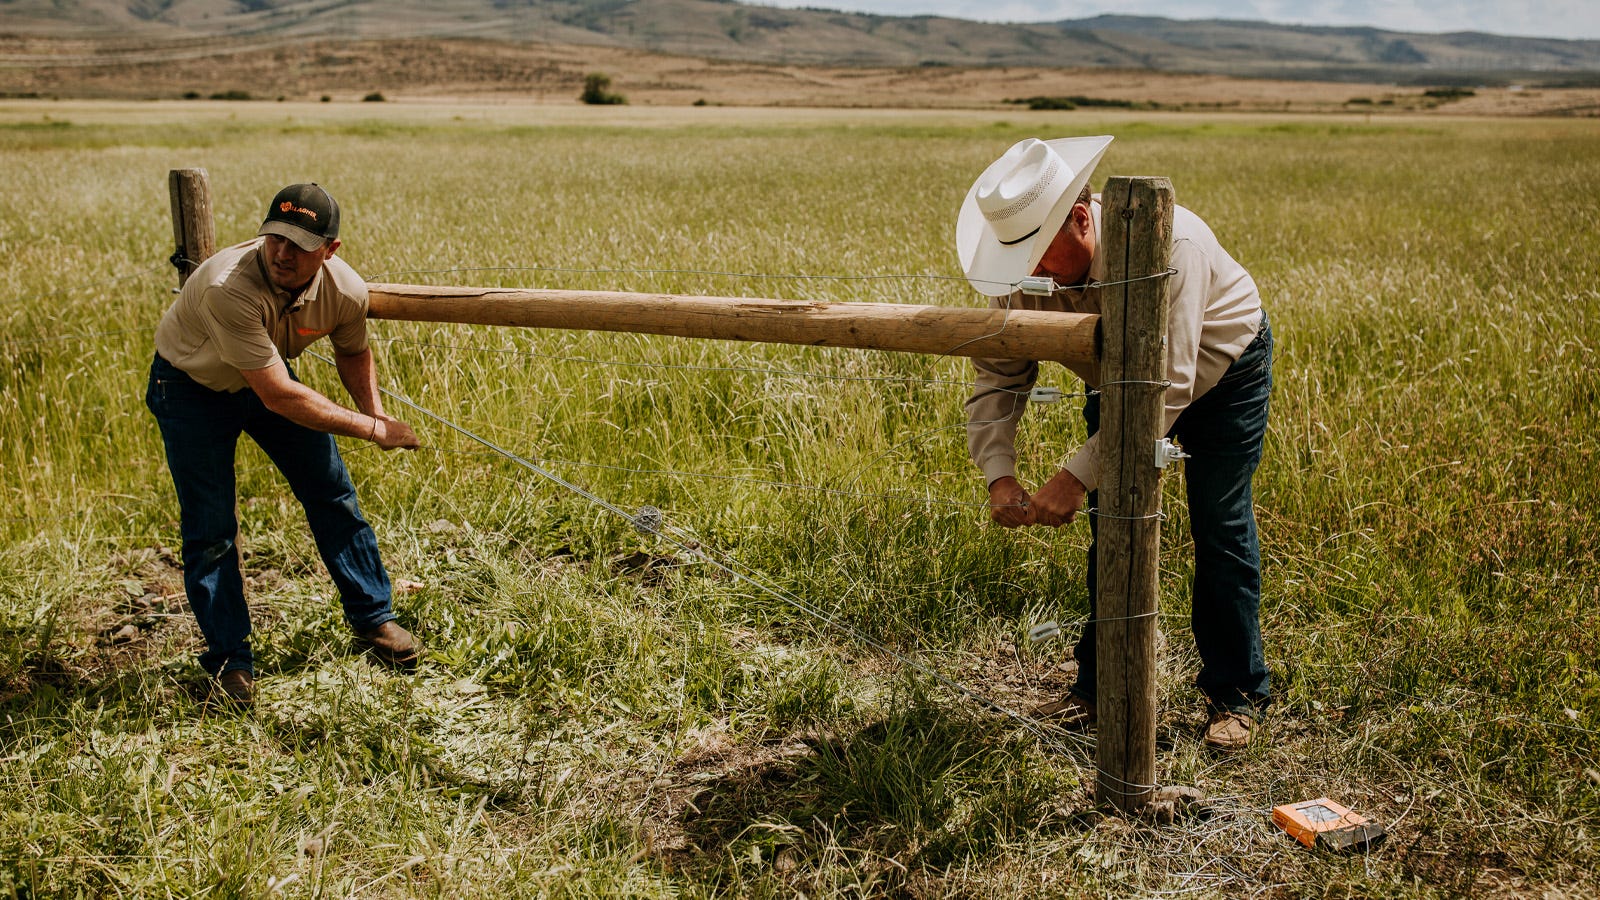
{"points": [[1325, 824]]}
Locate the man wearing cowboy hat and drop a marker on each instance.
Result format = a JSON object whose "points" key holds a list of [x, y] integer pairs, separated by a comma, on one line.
{"points": [[1031, 214]]}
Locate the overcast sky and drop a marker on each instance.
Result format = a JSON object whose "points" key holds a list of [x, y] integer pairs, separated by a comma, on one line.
{"points": [[1533, 18]]}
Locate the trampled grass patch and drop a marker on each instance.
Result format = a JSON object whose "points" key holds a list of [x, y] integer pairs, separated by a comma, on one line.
{"points": [[605, 712]]}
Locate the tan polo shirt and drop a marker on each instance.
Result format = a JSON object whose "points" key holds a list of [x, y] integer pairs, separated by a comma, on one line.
{"points": [[1213, 313], [229, 317]]}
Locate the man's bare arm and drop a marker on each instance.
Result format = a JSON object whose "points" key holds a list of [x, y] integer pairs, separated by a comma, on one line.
{"points": [[304, 406]]}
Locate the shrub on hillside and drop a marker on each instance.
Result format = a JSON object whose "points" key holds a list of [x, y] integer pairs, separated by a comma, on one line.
{"points": [[597, 91], [1071, 102]]}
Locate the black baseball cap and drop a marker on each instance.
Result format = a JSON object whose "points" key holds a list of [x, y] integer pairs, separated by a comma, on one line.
{"points": [[305, 214]]}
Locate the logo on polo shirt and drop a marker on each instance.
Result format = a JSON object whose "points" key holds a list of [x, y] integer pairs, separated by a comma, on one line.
{"points": [[287, 206], [312, 332]]}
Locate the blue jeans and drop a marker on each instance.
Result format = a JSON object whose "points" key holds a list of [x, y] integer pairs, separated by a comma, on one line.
{"points": [[1222, 432], [200, 428]]}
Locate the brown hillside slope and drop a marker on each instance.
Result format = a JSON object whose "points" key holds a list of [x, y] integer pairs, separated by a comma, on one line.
{"points": [[727, 30], [514, 72]]}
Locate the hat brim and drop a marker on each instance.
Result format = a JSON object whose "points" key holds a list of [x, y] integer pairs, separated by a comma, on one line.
{"points": [[305, 240], [994, 268]]}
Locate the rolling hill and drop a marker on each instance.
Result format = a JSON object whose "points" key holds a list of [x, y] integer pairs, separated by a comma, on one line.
{"points": [[109, 32]]}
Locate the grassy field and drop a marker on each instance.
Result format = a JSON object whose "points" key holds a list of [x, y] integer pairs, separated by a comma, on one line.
{"points": [[732, 713]]}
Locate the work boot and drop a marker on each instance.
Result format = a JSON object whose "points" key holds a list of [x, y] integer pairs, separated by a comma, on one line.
{"points": [[391, 645], [236, 687], [1071, 712], [1229, 730]]}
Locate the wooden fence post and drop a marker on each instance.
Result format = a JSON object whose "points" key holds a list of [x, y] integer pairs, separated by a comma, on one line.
{"points": [[192, 228], [1136, 231]]}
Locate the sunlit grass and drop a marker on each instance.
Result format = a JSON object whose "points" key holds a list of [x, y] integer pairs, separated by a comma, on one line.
{"points": [[605, 714]]}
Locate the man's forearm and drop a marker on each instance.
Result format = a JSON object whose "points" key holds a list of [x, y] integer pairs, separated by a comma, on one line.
{"points": [[993, 411], [304, 406]]}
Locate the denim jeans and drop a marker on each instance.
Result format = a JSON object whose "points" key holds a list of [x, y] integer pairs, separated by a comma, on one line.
{"points": [[200, 428], [1222, 432]]}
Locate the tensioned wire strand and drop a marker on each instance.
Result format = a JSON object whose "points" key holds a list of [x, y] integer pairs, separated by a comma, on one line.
{"points": [[694, 367], [752, 370], [1018, 395], [744, 479], [776, 276], [115, 279], [572, 270], [847, 491], [57, 338], [910, 498]]}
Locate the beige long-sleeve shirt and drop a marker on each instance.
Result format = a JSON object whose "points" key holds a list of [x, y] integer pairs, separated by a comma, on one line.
{"points": [[1214, 311]]}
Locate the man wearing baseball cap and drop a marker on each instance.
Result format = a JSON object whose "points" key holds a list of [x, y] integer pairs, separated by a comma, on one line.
{"points": [[1031, 215], [221, 369]]}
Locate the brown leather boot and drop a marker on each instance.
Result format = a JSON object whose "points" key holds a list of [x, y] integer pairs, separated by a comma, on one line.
{"points": [[1229, 731], [1071, 712], [235, 687], [391, 645]]}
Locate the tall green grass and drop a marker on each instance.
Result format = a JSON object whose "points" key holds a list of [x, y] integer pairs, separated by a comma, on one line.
{"points": [[604, 713]]}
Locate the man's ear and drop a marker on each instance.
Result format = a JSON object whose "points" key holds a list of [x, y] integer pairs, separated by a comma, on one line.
{"points": [[330, 248], [1081, 217]]}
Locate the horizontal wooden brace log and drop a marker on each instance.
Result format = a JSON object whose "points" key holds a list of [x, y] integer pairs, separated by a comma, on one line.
{"points": [[949, 331]]}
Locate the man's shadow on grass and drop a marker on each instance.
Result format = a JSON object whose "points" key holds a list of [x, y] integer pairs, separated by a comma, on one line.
{"points": [[921, 789]]}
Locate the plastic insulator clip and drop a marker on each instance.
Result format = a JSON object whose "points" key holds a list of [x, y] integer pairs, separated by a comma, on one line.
{"points": [[1045, 394], [1044, 631], [1167, 453], [1037, 285]]}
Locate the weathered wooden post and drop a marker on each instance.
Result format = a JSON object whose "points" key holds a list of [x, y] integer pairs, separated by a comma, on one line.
{"points": [[192, 228], [1136, 228]]}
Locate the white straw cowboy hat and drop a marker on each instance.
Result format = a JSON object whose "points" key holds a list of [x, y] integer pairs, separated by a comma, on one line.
{"points": [[1017, 205]]}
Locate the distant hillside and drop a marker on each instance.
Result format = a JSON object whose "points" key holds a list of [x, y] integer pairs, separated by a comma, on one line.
{"points": [[726, 30], [1346, 54]]}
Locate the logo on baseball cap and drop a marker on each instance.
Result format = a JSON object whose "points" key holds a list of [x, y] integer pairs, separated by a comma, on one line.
{"points": [[305, 214]]}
